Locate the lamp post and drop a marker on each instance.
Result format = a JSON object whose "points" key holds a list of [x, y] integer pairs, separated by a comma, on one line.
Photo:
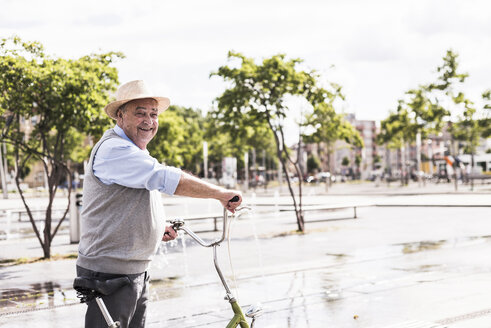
{"points": [[246, 170], [2, 173], [418, 157], [205, 159], [430, 156]]}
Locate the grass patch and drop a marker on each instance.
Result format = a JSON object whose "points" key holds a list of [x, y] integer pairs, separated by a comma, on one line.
{"points": [[29, 260]]}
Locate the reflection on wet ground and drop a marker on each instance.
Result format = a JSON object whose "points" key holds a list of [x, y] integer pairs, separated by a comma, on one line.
{"points": [[51, 294], [296, 297], [36, 296], [291, 300], [430, 245], [421, 246]]}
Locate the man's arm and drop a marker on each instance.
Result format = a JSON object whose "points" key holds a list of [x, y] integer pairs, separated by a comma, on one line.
{"points": [[193, 187]]}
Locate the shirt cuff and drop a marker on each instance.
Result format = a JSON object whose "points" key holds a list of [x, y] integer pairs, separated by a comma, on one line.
{"points": [[172, 180]]}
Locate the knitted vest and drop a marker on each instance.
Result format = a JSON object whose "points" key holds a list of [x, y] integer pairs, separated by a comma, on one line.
{"points": [[120, 227]]}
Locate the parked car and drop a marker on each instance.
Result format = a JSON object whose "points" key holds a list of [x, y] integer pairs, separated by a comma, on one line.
{"points": [[325, 176], [310, 179]]}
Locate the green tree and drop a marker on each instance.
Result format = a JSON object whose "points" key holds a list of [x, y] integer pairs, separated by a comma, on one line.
{"points": [[228, 140], [426, 116], [256, 96], [376, 159], [180, 139], [61, 96], [345, 161], [485, 121], [469, 129], [427, 109], [328, 127], [395, 131], [313, 163], [358, 160], [447, 91]]}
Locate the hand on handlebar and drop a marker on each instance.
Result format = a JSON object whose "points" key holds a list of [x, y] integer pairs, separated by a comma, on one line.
{"points": [[169, 234], [234, 199]]}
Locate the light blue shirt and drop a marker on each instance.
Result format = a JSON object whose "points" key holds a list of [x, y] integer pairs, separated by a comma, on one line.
{"points": [[122, 162]]}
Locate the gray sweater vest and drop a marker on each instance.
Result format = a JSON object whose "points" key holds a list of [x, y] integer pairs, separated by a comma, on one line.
{"points": [[121, 227]]}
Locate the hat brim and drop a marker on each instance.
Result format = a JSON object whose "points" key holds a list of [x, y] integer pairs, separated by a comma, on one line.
{"points": [[111, 108]]}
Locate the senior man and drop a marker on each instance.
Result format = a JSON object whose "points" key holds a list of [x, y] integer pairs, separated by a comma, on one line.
{"points": [[123, 219]]}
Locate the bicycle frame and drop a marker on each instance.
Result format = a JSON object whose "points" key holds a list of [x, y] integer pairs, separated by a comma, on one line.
{"points": [[239, 317]]}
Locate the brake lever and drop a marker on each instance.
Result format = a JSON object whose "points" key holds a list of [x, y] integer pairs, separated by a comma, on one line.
{"points": [[175, 225], [241, 210]]}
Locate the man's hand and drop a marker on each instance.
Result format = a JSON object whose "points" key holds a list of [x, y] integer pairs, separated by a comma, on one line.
{"points": [[226, 198], [169, 234]]}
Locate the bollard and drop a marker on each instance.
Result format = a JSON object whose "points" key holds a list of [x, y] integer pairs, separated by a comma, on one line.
{"points": [[75, 205], [9, 219]]}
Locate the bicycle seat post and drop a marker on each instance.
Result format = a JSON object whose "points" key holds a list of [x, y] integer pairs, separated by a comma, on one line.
{"points": [[105, 314], [89, 289]]}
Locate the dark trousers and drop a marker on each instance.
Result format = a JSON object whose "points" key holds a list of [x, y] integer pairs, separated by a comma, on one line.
{"points": [[128, 305]]}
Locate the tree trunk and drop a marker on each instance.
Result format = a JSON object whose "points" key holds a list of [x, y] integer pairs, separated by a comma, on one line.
{"points": [[280, 149], [388, 169], [472, 171], [403, 165], [328, 179], [456, 183], [297, 208]]}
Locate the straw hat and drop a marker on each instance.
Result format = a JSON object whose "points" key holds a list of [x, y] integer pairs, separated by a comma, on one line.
{"points": [[131, 91]]}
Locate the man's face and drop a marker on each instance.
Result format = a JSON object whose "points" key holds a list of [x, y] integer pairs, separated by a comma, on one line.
{"points": [[139, 121]]}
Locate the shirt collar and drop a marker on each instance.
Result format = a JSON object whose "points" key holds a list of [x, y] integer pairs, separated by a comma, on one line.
{"points": [[123, 135]]}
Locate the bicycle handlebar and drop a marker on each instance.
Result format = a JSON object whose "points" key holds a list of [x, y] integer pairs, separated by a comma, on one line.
{"points": [[179, 224]]}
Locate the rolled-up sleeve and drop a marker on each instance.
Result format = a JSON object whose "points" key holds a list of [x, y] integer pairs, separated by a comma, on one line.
{"points": [[125, 164]]}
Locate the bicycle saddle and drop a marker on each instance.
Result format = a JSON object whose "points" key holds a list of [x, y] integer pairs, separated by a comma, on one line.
{"points": [[103, 287]]}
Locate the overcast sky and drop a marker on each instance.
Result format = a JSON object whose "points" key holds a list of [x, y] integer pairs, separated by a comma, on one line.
{"points": [[376, 50]]}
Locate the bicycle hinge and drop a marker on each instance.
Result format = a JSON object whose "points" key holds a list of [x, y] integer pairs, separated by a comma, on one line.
{"points": [[229, 297]]}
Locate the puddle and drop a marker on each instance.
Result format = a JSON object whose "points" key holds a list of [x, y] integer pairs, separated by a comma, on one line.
{"points": [[421, 246], [50, 294], [421, 268], [171, 287], [337, 255], [36, 296]]}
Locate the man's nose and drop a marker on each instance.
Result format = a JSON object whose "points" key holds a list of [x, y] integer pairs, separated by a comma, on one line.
{"points": [[147, 119]]}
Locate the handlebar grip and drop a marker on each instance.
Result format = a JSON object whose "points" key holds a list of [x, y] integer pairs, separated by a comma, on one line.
{"points": [[235, 199]]}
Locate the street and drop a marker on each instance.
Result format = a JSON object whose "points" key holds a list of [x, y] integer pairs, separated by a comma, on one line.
{"points": [[393, 266]]}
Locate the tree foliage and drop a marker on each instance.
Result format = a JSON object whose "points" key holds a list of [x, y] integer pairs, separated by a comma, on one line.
{"points": [[485, 120], [179, 141], [429, 108], [394, 131], [226, 140], [63, 99], [256, 98], [313, 163]]}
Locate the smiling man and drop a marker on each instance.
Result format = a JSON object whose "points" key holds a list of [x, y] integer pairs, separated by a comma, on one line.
{"points": [[123, 219]]}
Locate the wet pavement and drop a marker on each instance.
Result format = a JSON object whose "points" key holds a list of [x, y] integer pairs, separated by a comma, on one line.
{"points": [[391, 267]]}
